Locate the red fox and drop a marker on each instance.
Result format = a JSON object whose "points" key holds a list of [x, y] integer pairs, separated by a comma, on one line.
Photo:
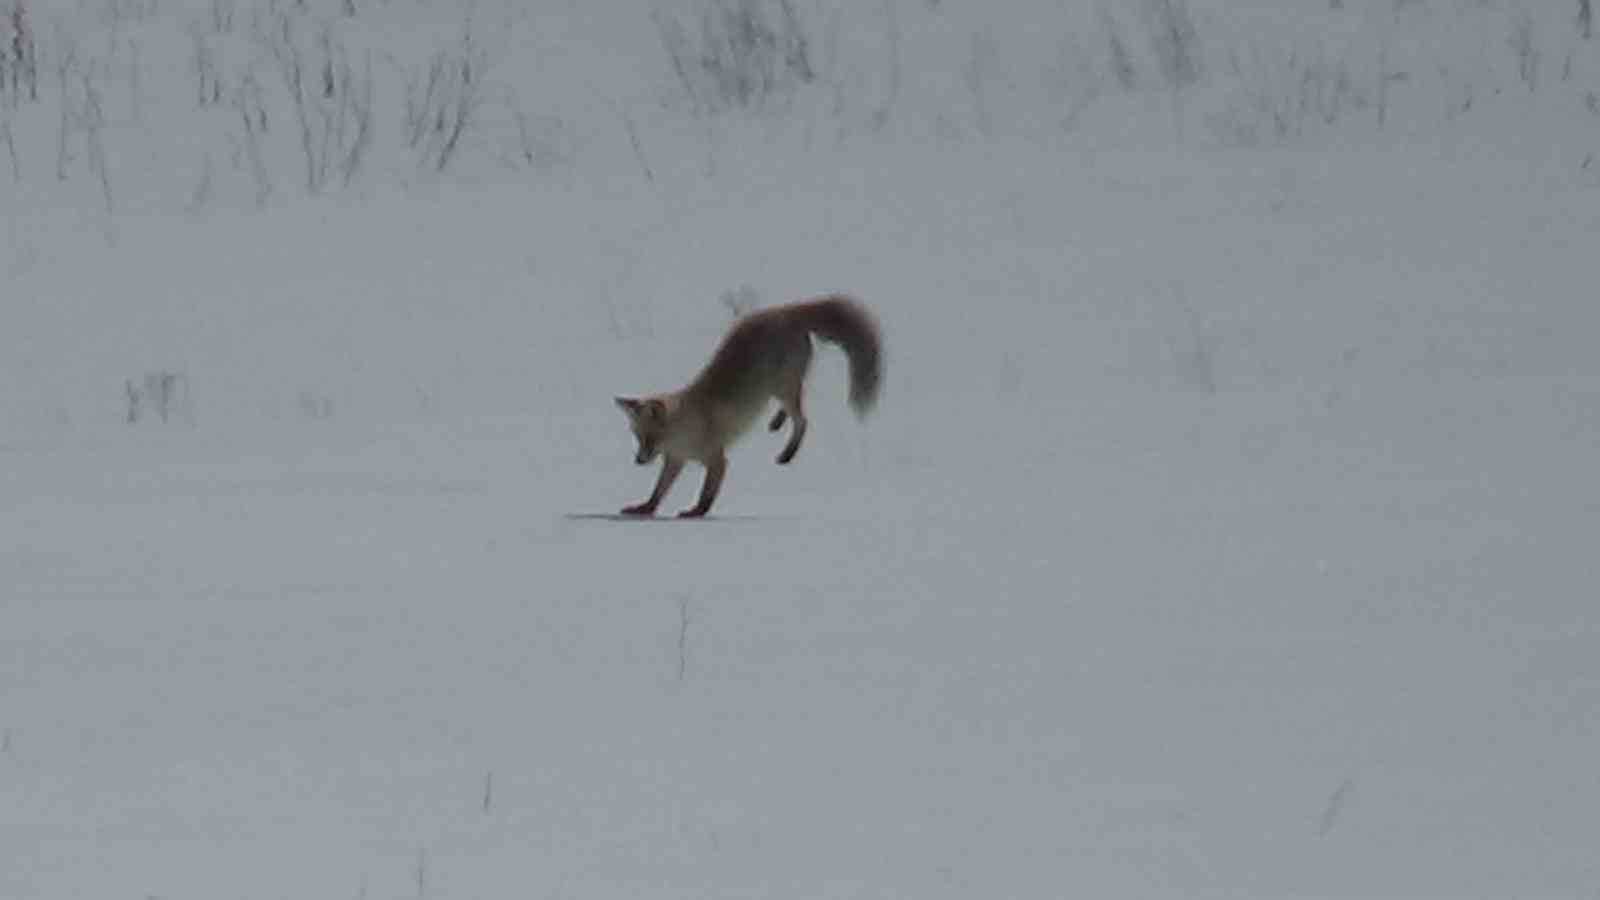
{"points": [[765, 354]]}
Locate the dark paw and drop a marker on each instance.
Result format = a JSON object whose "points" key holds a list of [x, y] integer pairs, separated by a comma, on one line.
{"points": [[643, 509], [694, 513]]}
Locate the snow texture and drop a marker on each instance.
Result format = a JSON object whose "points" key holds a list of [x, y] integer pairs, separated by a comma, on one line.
{"points": [[1226, 528]]}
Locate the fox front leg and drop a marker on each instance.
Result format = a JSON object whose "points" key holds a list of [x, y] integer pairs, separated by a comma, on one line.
{"points": [[669, 473], [708, 491]]}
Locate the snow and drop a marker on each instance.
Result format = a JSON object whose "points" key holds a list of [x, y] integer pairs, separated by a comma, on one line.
{"points": [[1225, 528]]}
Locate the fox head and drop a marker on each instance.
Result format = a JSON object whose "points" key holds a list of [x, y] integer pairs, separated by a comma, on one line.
{"points": [[647, 418]]}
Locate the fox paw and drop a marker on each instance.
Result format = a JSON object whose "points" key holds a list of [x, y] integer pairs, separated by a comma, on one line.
{"points": [[694, 513], [642, 509]]}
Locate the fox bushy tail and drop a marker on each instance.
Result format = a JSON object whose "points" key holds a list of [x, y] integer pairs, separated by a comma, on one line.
{"points": [[841, 320]]}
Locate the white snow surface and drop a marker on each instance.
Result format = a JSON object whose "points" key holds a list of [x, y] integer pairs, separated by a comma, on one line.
{"points": [[1226, 528]]}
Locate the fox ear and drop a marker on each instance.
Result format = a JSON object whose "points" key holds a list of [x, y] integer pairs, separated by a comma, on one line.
{"points": [[650, 409]]}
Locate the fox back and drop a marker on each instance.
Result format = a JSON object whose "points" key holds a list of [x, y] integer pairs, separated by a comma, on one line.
{"points": [[764, 348]]}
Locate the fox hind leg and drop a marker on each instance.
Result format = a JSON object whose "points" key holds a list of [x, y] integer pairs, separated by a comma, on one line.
{"points": [[793, 409], [791, 387]]}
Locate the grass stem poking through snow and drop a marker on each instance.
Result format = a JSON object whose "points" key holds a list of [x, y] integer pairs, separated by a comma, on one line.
{"points": [[743, 54], [633, 138], [683, 635], [1337, 801], [10, 140], [331, 99]]}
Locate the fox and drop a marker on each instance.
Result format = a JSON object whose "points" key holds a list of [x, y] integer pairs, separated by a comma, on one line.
{"points": [[764, 355]]}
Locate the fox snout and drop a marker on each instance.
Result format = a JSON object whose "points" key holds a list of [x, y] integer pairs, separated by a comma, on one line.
{"points": [[646, 419]]}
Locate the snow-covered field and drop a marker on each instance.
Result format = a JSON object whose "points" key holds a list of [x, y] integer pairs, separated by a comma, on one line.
{"points": [[1226, 527]]}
